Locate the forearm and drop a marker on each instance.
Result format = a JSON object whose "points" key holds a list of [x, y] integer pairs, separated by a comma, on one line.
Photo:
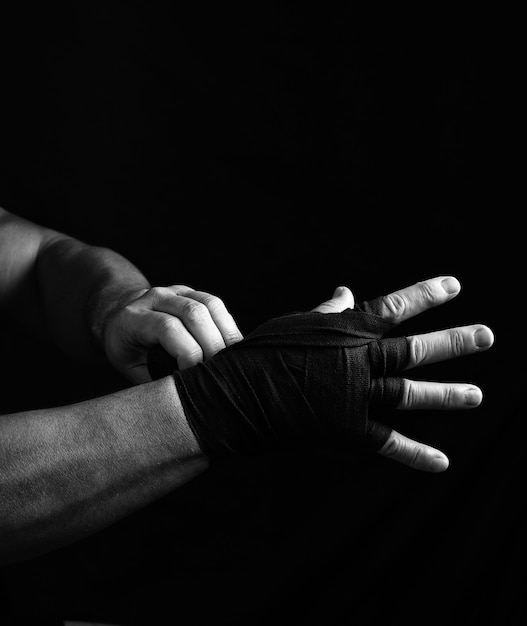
{"points": [[59, 288], [70, 471], [79, 285]]}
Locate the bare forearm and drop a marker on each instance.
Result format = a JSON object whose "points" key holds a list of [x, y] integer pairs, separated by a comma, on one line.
{"points": [[79, 286], [70, 471], [59, 288]]}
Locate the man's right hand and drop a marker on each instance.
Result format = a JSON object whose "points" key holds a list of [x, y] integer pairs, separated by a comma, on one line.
{"points": [[190, 325]]}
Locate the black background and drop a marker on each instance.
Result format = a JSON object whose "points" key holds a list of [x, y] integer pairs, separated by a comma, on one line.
{"points": [[267, 155]]}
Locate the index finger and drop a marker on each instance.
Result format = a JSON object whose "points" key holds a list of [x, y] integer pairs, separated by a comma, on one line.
{"points": [[400, 305]]}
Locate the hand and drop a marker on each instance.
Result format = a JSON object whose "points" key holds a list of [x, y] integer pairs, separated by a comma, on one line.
{"points": [[426, 348], [190, 325]]}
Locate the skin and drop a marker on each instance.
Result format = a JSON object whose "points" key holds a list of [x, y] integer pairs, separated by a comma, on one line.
{"points": [[59, 479], [67, 472], [191, 325], [398, 307], [93, 303]]}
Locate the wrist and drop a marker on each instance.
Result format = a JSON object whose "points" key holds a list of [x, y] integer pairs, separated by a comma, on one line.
{"points": [[170, 404]]}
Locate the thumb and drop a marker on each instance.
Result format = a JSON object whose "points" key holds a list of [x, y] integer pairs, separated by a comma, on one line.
{"points": [[342, 299]]}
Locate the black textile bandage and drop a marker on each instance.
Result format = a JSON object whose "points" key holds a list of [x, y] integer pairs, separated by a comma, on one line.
{"points": [[297, 381]]}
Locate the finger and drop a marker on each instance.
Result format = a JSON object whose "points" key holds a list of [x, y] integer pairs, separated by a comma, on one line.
{"points": [[400, 305], [417, 455], [448, 344], [342, 299], [138, 374], [218, 312], [154, 328], [418, 394], [194, 315]]}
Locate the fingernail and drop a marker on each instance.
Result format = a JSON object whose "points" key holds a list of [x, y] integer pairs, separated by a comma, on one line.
{"points": [[450, 284], [439, 464], [472, 397], [338, 292], [483, 338]]}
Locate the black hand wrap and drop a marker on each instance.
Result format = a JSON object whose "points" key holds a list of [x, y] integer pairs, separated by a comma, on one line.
{"points": [[297, 381]]}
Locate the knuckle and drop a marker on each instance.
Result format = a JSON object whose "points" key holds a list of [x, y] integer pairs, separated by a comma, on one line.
{"points": [[391, 447], [214, 304], [417, 349], [404, 450], [395, 306], [448, 397], [177, 289], [158, 291], [428, 294], [457, 342], [158, 294], [416, 456], [169, 325], [195, 312], [410, 394]]}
